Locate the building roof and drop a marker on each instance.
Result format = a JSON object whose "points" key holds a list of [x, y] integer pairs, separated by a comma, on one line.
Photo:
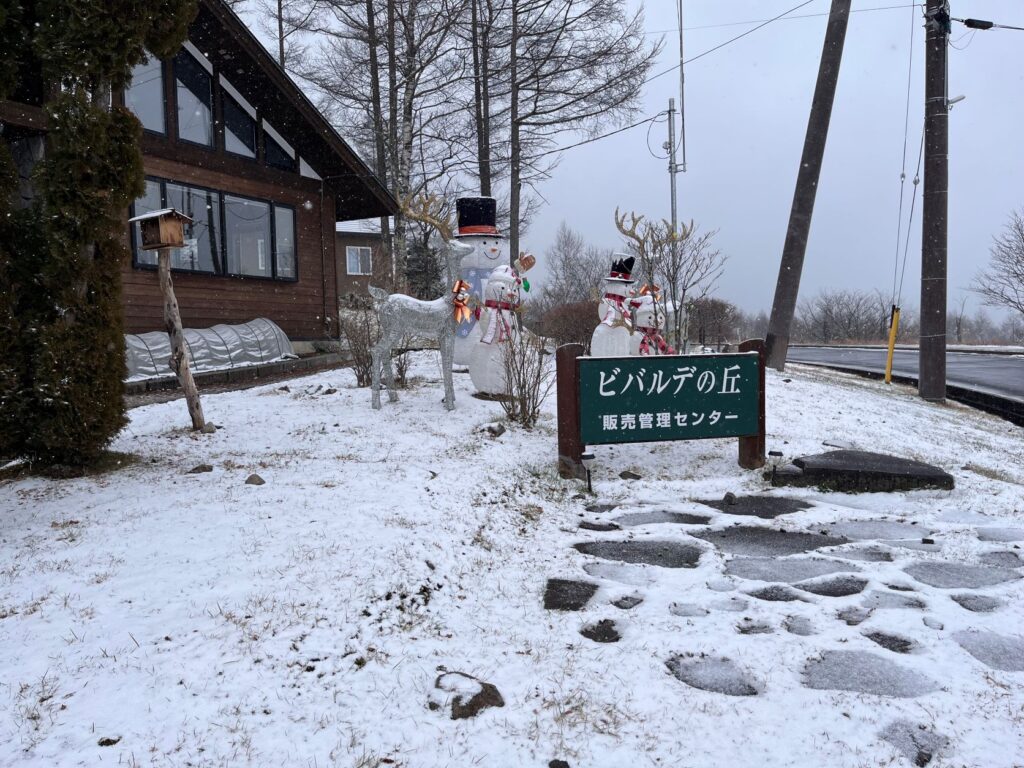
{"points": [[220, 34], [359, 227]]}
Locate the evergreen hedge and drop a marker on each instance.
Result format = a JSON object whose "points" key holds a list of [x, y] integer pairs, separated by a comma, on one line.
{"points": [[61, 341]]}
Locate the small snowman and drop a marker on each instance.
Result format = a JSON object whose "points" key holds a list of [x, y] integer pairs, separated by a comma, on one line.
{"points": [[497, 326], [477, 226], [649, 316], [612, 336]]}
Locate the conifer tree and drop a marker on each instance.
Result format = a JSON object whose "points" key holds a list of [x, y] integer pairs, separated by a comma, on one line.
{"points": [[62, 369]]}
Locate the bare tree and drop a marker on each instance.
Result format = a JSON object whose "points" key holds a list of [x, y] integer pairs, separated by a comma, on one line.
{"points": [[1002, 283], [714, 322], [388, 72], [848, 316], [573, 65], [686, 272], [957, 320], [574, 269]]}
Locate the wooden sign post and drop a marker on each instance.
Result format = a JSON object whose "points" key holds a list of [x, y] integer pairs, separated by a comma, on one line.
{"points": [[161, 231], [603, 400]]}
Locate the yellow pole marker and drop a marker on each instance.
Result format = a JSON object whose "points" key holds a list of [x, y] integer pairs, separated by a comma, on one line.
{"points": [[894, 327]]}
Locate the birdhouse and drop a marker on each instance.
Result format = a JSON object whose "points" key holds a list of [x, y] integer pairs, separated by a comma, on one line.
{"points": [[162, 229]]}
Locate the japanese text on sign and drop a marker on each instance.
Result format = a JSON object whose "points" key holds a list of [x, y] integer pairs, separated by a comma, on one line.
{"points": [[669, 397]]}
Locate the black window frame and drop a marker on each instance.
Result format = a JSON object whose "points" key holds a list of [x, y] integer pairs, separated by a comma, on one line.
{"points": [[295, 239], [214, 87], [165, 133], [269, 140], [217, 252], [273, 240], [225, 99], [221, 256]]}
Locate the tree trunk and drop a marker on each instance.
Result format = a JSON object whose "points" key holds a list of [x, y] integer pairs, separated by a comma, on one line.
{"points": [[179, 355], [280, 32], [481, 102], [378, 122], [515, 148], [397, 252]]}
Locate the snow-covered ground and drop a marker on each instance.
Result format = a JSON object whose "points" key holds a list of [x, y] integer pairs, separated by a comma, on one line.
{"points": [[195, 620]]}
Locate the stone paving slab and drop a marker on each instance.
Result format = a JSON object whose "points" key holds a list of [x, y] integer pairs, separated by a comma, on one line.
{"points": [[861, 472]]}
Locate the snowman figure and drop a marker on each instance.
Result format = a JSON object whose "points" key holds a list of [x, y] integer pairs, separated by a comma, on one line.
{"points": [[497, 327], [649, 315], [612, 336], [477, 226]]}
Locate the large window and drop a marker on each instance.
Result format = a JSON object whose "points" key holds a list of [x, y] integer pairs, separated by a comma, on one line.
{"points": [[145, 95], [247, 227], [202, 237], [239, 128], [284, 240], [229, 234], [276, 150], [360, 260], [195, 99]]}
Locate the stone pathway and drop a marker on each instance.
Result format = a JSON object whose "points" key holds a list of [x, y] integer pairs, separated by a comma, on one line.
{"points": [[858, 586]]}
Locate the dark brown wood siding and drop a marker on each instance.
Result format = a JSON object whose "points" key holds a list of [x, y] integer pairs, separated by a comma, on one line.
{"points": [[356, 284], [305, 309]]}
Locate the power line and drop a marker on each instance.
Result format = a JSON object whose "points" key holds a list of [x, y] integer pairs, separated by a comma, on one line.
{"points": [[730, 40], [981, 24], [602, 136], [903, 162], [787, 18]]}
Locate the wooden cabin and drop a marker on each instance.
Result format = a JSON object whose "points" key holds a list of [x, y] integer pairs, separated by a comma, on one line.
{"points": [[231, 142]]}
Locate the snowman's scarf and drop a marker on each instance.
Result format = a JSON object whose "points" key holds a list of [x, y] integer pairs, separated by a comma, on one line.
{"points": [[616, 305], [653, 336], [498, 321]]}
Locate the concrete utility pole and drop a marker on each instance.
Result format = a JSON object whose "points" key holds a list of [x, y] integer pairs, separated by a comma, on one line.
{"points": [[682, 94], [788, 285], [932, 345], [670, 145]]}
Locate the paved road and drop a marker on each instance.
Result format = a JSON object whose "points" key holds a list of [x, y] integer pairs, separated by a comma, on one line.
{"points": [[998, 374]]}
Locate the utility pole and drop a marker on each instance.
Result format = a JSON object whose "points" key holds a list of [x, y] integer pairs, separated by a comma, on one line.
{"points": [[671, 146], [791, 266], [682, 94], [932, 344]]}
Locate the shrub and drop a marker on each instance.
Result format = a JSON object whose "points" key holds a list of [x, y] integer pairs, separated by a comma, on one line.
{"points": [[529, 377], [572, 323]]}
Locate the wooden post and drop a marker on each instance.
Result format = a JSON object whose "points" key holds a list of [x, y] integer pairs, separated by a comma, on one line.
{"points": [[752, 449], [179, 355], [570, 448]]}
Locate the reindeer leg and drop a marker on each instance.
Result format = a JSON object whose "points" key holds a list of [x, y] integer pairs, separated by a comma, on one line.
{"points": [[447, 344], [389, 371], [375, 376]]}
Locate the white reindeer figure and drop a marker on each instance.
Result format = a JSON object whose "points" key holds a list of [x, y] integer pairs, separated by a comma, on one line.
{"points": [[400, 316]]}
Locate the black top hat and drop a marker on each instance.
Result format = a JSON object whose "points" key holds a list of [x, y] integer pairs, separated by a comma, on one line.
{"points": [[477, 216], [622, 269]]}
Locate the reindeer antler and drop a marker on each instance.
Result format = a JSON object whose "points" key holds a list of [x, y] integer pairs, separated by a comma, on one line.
{"points": [[428, 209], [630, 232]]}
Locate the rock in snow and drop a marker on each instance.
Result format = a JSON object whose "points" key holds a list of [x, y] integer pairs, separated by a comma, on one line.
{"points": [[468, 695]]}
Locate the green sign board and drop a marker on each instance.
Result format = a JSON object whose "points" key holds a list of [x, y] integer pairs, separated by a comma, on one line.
{"points": [[668, 397]]}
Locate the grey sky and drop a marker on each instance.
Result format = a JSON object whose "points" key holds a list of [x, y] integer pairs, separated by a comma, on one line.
{"points": [[746, 114]]}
